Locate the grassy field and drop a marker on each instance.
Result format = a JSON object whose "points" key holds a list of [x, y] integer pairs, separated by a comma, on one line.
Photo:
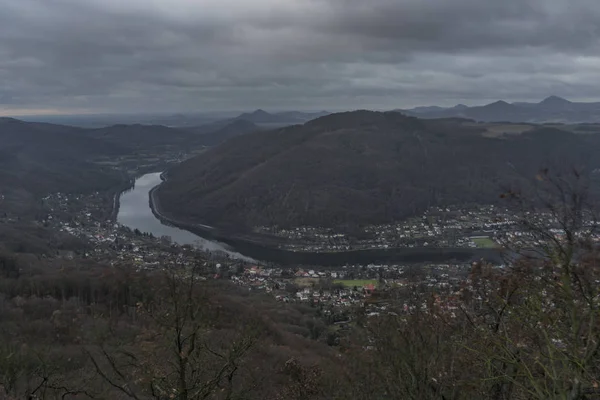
{"points": [[485, 243], [356, 282]]}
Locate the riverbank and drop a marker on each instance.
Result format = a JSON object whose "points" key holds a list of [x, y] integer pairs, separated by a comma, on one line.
{"points": [[260, 249], [117, 192], [129, 183]]}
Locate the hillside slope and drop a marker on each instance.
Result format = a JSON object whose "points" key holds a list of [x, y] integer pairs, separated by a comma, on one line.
{"points": [[220, 131], [40, 158], [357, 168], [142, 137]]}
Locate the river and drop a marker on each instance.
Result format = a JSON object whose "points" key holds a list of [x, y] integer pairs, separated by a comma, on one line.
{"points": [[136, 213]]}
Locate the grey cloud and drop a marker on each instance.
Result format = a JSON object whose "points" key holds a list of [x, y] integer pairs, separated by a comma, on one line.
{"points": [[170, 55], [470, 24]]}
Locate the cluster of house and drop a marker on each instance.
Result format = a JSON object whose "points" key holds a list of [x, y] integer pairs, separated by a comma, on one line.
{"points": [[333, 287], [437, 227], [457, 226], [80, 216], [349, 285]]}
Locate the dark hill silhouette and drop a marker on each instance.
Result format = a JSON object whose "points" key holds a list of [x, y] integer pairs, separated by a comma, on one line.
{"points": [[38, 158], [356, 168], [497, 111], [555, 103], [35, 136], [287, 117], [217, 133], [499, 105], [259, 116], [142, 136]]}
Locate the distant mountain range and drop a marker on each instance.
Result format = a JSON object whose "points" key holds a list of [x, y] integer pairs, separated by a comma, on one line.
{"points": [[176, 120], [553, 109], [259, 117]]}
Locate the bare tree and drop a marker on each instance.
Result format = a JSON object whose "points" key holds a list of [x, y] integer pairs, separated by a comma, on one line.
{"points": [[541, 317], [181, 355], [31, 374]]}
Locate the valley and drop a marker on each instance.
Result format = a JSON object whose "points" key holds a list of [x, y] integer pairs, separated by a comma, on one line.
{"points": [[271, 217], [102, 242], [299, 200]]}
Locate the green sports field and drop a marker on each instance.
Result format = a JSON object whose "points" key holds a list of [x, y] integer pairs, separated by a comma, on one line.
{"points": [[485, 243]]}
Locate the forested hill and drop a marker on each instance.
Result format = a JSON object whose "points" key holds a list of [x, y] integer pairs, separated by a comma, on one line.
{"points": [[360, 167], [37, 158], [141, 136], [40, 158]]}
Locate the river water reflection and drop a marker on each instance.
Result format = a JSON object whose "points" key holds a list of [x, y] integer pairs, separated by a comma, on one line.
{"points": [[135, 213]]}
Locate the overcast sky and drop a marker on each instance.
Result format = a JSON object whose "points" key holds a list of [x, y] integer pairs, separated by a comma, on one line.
{"points": [[66, 56]]}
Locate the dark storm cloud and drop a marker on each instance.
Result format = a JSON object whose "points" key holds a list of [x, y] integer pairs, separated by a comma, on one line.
{"points": [[457, 25], [155, 55]]}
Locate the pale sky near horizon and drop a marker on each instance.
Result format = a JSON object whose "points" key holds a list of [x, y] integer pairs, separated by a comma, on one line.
{"points": [[87, 56]]}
